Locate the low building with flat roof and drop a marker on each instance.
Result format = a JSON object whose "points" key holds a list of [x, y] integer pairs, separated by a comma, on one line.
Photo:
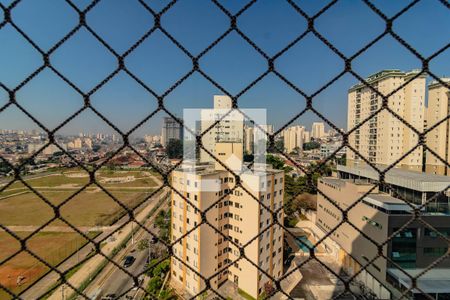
{"points": [[376, 218]]}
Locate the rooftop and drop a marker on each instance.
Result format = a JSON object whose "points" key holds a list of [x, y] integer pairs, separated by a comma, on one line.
{"points": [[417, 181], [208, 169], [387, 202], [382, 75], [435, 280], [435, 83]]}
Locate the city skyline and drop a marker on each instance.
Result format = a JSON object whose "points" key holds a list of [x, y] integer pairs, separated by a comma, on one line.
{"points": [[223, 63], [206, 149]]}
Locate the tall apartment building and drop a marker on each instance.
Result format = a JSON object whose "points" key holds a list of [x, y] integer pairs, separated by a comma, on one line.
{"points": [[248, 139], [255, 133], [238, 216], [384, 138], [229, 129], [293, 138], [318, 130], [171, 130], [380, 214], [306, 137], [438, 139]]}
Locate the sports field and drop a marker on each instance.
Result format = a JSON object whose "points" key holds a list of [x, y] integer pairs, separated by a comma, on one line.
{"points": [[22, 210], [23, 269], [91, 207]]}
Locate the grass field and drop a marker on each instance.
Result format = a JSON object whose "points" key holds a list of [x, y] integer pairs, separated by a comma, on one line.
{"points": [[91, 207], [65, 179], [53, 247]]}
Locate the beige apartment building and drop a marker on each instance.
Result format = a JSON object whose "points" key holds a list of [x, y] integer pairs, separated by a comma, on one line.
{"points": [[318, 130], [235, 214], [384, 139], [438, 139], [306, 137], [229, 129], [256, 133], [293, 138]]}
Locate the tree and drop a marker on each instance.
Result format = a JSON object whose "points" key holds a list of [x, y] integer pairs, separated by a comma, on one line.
{"points": [[154, 285], [342, 160], [276, 162], [306, 201], [278, 144], [268, 289], [311, 145], [162, 268], [174, 149]]}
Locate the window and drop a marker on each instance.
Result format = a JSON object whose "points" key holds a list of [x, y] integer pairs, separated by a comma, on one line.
{"points": [[435, 251]]}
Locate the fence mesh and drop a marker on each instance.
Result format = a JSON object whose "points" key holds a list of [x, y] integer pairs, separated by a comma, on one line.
{"points": [[165, 172]]}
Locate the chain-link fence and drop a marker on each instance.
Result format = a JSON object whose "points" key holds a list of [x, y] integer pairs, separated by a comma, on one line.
{"points": [[62, 272]]}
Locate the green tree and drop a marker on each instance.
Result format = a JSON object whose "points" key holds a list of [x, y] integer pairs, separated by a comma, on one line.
{"points": [[311, 145], [276, 162], [342, 160], [162, 268], [154, 285], [174, 149]]}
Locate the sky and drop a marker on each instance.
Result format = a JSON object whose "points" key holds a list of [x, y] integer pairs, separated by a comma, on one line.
{"points": [[233, 63]]}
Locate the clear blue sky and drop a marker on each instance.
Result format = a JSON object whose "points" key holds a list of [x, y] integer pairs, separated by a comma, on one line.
{"points": [[233, 63]]}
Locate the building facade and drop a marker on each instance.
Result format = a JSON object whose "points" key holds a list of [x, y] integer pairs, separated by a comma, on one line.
{"points": [[229, 129], [318, 130], [384, 139], [171, 130], [257, 133], [380, 214], [438, 139], [293, 138], [236, 219]]}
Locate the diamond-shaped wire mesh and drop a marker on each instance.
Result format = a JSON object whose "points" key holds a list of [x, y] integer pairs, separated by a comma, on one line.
{"points": [[165, 172]]}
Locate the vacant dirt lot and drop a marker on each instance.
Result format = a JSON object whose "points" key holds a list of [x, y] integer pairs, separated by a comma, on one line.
{"points": [[53, 247]]}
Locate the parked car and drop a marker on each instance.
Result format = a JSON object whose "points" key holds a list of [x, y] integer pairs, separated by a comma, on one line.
{"points": [[153, 240], [128, 261], [109, 297]]}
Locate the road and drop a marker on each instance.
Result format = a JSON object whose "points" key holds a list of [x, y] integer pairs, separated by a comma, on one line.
{"points": [[113, 280], [117, 282], [44, 284]]}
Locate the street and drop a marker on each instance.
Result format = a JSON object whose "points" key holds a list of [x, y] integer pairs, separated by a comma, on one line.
{"points": [[118, 282], [40, 287], [112, 280]]}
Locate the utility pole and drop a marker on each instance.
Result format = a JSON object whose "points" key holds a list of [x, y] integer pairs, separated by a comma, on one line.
{"points": [[132, 233], [63, 296], [78, 252], [149, 251]]}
